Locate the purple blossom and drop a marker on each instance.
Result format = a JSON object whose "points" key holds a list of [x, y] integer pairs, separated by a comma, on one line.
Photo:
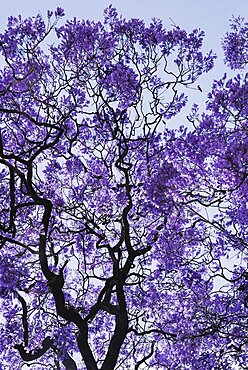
{"points": [[235, 44], [59, 12], [123, 236]]}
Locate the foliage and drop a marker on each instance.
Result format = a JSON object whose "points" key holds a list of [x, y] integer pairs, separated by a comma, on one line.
{"points": [[123, 241]]}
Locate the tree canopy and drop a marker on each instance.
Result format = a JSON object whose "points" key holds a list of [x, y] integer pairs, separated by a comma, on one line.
{"points": [[123, 239]]}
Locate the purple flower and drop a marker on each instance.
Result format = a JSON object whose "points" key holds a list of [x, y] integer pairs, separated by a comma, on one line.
{"points": [[59, 12], [235, 44]]}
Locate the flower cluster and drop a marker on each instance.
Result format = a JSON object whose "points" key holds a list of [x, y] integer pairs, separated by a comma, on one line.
{"points": [[235, 44]]}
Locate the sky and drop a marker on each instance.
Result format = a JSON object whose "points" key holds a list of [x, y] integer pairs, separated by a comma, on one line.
{"points": [[210, 15]]}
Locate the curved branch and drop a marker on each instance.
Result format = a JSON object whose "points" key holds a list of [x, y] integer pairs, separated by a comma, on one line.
{"points": [[47, 343], [146, 357], [34, 355], [24, 317]]}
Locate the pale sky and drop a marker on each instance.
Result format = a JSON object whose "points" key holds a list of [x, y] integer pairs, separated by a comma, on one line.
{"points": [[212, 16]]}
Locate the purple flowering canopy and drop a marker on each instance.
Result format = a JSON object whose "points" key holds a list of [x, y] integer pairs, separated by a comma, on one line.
{"points": [[124, 242]]}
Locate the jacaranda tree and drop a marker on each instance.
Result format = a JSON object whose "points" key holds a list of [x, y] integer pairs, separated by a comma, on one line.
{"points": [[123, 240]]}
